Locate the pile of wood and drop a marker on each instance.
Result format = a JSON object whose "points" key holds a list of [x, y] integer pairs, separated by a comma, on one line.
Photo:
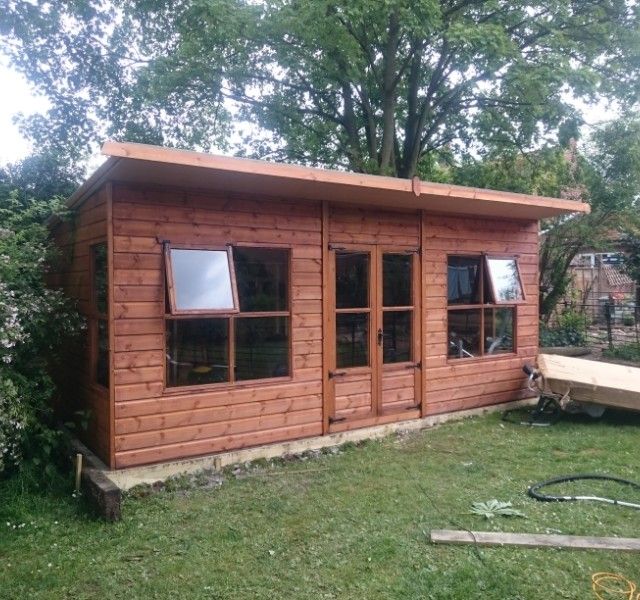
{"points": [[592, 382]]}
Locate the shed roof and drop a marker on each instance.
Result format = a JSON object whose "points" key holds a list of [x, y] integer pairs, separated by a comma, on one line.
{"points": [[141, 163]]}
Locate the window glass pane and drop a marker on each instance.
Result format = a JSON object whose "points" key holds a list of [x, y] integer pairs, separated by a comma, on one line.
{"points": [[396, 277], [102, 358], [100, 277], [201, 279], [396, 344], [498, 330], [464, 333], [262, 347], [352, 340], [463, 279], [506, 281], [197, 351], [352, 279], [262, 277]]}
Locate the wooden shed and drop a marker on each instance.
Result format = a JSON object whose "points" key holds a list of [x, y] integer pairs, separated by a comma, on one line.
{"points": [[235, 303]]}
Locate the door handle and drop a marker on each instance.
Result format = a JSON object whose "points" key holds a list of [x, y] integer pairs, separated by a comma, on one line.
{"points": [[380, 337]]}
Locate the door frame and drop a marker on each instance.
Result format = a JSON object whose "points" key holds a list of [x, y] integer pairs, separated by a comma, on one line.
{"points": [[376, 366], [416, 329]]}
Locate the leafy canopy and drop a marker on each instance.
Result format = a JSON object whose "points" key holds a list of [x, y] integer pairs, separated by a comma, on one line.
{"points": [[369, 85]]}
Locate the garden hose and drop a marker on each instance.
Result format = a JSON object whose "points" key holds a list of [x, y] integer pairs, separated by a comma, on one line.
{"points": [[534, 490], [613, 585], [546, 413]]}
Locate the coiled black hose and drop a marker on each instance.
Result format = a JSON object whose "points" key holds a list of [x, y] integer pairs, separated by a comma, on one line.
{"points": [[534, 490]]}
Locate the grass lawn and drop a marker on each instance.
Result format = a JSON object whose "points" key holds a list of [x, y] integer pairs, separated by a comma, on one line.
{"points": [[351, 525]]}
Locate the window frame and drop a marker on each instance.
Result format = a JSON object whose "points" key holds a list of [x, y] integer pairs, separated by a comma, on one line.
{"points": [[170, 282], [95, 317], [482, 306], [231, 316]]}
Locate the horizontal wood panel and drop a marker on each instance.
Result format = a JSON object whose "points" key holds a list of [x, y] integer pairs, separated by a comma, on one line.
{"points": [[204, 399], [220, 444], [135, 441], [217, 414]]}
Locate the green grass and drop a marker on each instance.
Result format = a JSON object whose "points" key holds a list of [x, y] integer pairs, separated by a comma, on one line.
{"points": [[629, 352], [351, 526]]}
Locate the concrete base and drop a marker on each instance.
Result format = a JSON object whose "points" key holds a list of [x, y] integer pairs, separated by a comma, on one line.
{"points": [[125, 479]]}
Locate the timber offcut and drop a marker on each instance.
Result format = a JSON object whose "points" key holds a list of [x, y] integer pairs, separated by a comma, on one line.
{"points": [[234, 303]]}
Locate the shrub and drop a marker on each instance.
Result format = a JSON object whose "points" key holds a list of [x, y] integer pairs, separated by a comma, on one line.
{"points": [[628, 320], [570, 330], [628, 352], [34, 320]]}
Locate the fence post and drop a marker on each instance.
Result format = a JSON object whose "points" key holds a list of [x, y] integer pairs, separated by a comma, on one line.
{"points": [[607, 316]]}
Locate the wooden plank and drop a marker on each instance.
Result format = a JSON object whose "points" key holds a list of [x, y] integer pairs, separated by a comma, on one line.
{"points": [[217, 414], [534, 540], [190, 400], [606, 384], [220, 444], [111, 327], [328, 322]]}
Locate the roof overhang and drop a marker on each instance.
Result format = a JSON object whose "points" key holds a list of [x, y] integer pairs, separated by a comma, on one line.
{"points": [[144, 164]]}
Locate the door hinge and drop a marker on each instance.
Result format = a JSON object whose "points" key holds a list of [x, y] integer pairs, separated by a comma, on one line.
{"points": [[333, 374], [417, 365], [337, 419], [334, 247]]}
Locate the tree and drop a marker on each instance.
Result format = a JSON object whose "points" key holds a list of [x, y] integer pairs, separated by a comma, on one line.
{"points": [[631, 245], [605, 173], [368, 85]]}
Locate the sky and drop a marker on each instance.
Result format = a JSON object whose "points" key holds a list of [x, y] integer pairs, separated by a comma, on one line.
{"points": [[17, 96]]}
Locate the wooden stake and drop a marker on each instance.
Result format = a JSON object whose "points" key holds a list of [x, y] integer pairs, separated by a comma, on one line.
{"points": [[78, 471]]}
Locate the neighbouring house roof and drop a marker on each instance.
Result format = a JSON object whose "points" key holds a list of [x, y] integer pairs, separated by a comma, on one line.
{"points": [[615, 277], [140, 163]]}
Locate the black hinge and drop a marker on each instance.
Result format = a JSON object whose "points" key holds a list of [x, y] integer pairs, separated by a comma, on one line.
{"points": [[333, 247], [417, 365], [337, 419], [333, 374]]}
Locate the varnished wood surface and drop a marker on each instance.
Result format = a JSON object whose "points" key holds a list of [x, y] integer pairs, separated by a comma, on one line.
{"points": [[72, 273], [151, 423]]}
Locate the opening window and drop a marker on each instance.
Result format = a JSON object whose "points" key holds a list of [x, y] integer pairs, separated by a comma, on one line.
{"points": [[201, 281], [242, 328], [98, 319], [482, 296]]}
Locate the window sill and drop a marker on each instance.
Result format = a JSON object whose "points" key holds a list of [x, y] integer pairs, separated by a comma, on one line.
{"points": [[215, 387], [486, 357]]}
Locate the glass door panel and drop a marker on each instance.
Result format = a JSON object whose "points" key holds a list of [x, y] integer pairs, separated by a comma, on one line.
{"points": [[353, 375], [398, 372]]}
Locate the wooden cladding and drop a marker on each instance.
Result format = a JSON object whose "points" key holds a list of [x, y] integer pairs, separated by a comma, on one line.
{"points": [[81, 271], [153, 422]]}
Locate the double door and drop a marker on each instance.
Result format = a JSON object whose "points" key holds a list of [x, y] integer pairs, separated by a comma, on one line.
{"points": [[375, 367]]}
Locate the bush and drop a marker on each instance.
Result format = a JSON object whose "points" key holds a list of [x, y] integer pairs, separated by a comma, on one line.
{"points": [[628, 320], [34, 321], [628, 352], [569, 330]]}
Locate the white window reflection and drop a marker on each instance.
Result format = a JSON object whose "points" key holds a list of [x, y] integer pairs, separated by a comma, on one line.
{"points": [[202, 280], [505, 279]]}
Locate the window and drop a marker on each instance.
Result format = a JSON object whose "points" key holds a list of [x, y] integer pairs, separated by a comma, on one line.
{"points": [[200, 281], [482, 293], [233, 323], [98, 319]]}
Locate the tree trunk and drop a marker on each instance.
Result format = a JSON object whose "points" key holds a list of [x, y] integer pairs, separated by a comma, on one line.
{"points": [[389, 96]]}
